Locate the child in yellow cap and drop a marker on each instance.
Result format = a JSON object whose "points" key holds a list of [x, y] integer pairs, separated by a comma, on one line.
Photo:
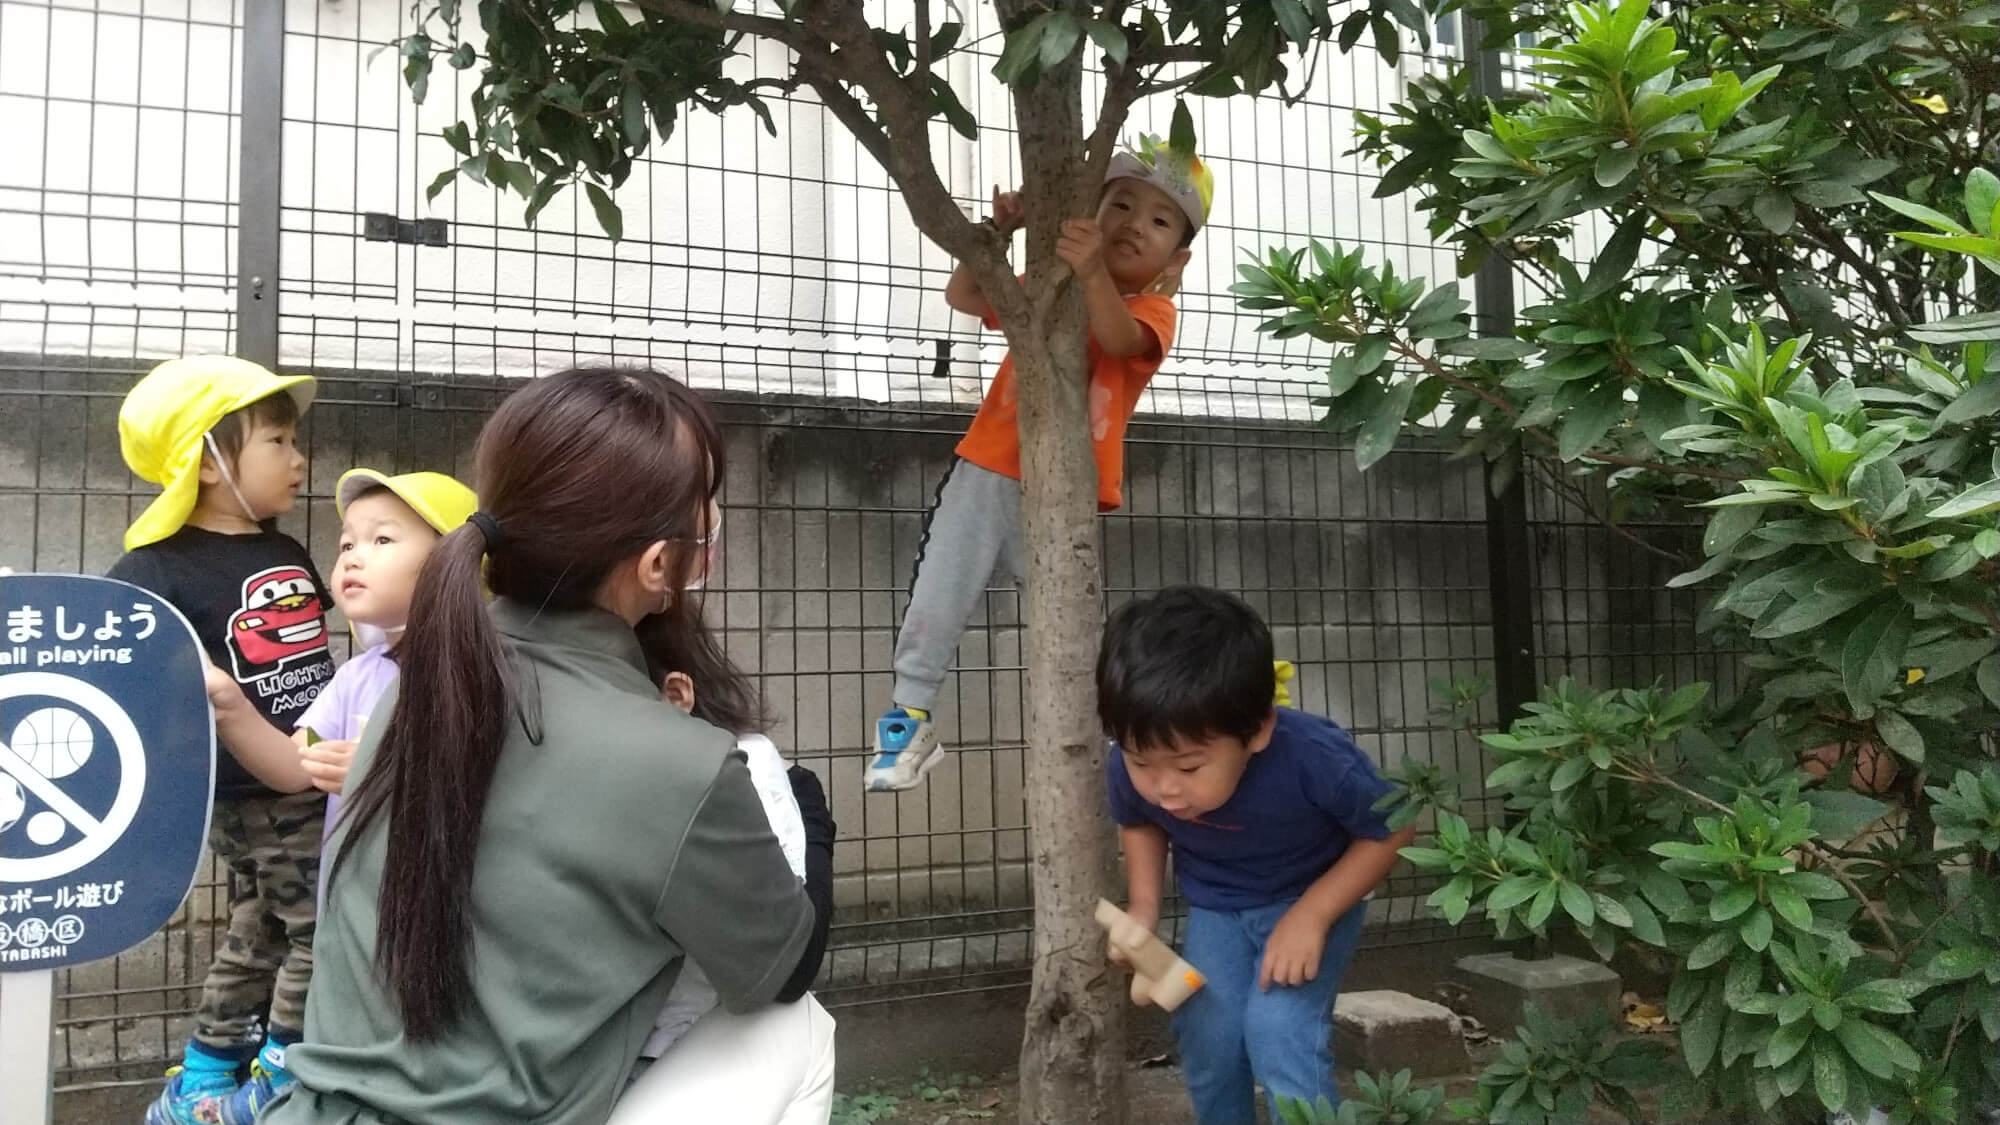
{"points": [[219, 436], [1128, 261], [388, 525]]}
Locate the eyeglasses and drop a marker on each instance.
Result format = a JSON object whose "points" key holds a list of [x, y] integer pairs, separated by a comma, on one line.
{"points": [[714, 533]]}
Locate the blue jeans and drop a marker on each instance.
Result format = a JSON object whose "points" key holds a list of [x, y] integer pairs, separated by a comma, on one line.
{"points": [[1233, 1035]]}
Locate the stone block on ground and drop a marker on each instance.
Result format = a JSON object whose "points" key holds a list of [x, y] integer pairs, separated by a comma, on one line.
{"points": [[1498, 988], [1391, 1031]]}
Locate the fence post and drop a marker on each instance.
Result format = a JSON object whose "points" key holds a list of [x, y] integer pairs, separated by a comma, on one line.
{"points": [[1509, 550], [261, 135]]}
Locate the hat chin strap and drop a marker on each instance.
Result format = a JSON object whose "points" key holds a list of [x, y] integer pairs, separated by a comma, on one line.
{"points": [[229, 478]]}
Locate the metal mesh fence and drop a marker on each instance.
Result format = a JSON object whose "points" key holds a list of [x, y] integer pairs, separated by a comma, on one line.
{"points": [[781, 275]]}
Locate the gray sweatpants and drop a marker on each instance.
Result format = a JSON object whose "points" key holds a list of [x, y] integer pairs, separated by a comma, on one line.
{"points": [[971, 541]]}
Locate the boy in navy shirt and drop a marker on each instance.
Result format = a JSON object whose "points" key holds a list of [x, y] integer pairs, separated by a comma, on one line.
{"points": [[1269, 813]]}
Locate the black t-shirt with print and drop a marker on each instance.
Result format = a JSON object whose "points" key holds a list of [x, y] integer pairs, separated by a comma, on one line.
{"points": [[259, 607]]}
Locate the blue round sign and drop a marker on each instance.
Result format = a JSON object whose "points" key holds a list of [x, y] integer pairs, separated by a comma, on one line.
{"points": [[107, 767]]}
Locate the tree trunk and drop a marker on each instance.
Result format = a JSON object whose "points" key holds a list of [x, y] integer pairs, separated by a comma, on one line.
{"points": [[1073, 1050]]}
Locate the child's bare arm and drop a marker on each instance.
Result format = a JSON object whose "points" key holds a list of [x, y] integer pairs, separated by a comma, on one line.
{"points": [[271, 755], [1112, 324], [1292, 954], [962, 292], [1145, 870]]}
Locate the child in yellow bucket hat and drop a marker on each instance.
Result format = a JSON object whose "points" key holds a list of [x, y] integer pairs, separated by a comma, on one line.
{"points": [[388, 526], [219, 435]]}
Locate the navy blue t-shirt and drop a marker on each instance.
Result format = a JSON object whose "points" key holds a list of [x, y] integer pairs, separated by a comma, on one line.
{"points": [[1301, 802]]}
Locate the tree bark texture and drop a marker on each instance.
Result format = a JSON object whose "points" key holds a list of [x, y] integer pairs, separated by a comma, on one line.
{"points": [[1073, 1049]]}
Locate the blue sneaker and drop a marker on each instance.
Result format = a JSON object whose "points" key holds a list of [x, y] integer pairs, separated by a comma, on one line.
{"points": [[268, 1079], [906, 748], [192, 1097]]}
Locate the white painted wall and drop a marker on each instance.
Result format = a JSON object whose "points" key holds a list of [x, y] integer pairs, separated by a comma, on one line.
{"points": [[780, 264]]}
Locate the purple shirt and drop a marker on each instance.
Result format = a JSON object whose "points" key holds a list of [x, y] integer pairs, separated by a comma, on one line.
{"points": [[342, 709]]}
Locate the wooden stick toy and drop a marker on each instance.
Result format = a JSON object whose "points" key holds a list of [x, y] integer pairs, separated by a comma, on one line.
{"points": [[1159, 975]]}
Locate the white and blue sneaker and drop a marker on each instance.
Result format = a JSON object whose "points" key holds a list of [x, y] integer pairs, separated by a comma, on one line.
{"points": [[906, 748]]}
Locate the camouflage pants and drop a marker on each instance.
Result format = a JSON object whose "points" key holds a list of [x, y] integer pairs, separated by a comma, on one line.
{"points": [[271, 847]]}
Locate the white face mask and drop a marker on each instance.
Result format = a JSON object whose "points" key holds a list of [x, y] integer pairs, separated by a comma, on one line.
{"points": [[711, 545]]}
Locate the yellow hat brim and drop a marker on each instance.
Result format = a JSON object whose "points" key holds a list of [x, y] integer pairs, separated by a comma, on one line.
{"points": [[439, 500]]}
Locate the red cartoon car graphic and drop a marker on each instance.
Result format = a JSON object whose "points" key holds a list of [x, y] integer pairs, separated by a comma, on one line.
{"points": [[281, 618]]}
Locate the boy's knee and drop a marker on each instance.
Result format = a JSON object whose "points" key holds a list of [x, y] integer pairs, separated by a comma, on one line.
{"points": [[1273, 1033], [1208, 1029]]}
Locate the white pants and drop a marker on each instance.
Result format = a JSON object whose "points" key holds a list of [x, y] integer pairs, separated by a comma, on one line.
{"points": [[773, 1066]]}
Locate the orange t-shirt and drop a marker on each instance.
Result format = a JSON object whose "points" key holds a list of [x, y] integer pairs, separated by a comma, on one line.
{"points": [[994, 441]]}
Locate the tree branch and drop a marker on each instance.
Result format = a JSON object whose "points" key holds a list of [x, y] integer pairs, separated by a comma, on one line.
{"points": [[905, 122], [920, 78], [706, 15], [836, 49], [1121, 89], [1575, 496], [1929, 121], [1169, 54], [1872, 275], [1153, 88]]}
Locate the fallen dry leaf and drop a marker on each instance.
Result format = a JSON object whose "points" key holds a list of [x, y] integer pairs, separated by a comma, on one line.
{"points": [[1645, 1018]]}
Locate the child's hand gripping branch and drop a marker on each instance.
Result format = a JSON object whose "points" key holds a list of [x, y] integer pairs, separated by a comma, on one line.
{"points": [[1083, 246]]}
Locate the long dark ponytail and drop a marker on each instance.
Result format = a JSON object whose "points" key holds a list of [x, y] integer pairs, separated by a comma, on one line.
{"points": [[577, 472]]}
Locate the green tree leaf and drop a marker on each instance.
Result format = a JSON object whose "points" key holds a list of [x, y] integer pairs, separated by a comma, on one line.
{"points": [[1900, 736], [1975, 501], [1829, 1075], [1576, 901], [1961, 963], [1711, 949], [1776, 211], [1384, 423], [1790, 906], [609, 217], [1732, 902], [1590, 420], [1700, 1033], [1756, 929]]}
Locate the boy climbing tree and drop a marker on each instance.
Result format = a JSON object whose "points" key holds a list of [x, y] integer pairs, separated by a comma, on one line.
{"points": [[1127, 259]]}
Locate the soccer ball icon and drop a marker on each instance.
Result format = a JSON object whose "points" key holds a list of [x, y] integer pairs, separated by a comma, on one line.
{"points": [[56, 741], [13, 802]]}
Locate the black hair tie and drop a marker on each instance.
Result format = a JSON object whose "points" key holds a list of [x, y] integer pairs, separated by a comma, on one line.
{"points": [[488, 527]]}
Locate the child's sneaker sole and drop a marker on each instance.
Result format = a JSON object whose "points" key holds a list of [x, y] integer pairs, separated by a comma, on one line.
{"points": [[176, 1106]]}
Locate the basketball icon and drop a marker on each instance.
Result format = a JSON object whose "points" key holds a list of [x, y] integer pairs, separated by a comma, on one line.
{"points": [[56, 741], [13, 802]]}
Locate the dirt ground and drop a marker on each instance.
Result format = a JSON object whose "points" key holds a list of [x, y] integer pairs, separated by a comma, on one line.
{"points": [[1155, 1095], [1154, 1091]]}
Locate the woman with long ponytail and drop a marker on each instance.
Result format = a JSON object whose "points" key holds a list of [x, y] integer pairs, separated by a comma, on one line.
{"points": [[534, 841]]}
